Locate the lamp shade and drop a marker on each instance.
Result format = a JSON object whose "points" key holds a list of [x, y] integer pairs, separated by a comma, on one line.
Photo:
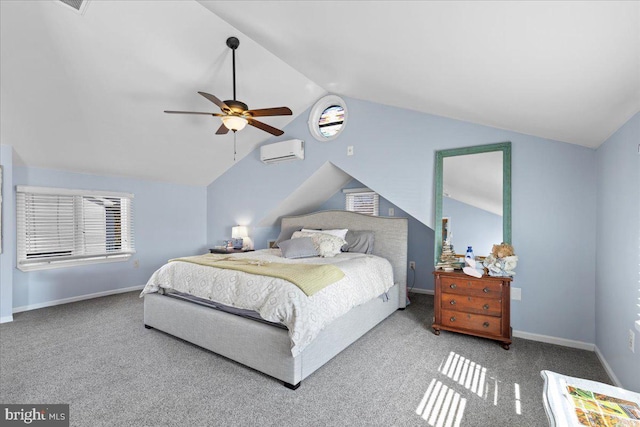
{"points": [[234, 123], [239, 232]]}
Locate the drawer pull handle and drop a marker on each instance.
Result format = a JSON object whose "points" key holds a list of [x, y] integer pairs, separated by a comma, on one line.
{"points": [[453, 318], [452, 286], [452, 302], [485, 324], [486, 306], [485, 290]]}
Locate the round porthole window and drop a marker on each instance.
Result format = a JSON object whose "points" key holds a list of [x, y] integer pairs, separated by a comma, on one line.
{"points": [[328, 118]]}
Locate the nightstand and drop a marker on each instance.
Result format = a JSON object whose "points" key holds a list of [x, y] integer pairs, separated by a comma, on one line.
{"points": [[473, 306], [228, 251]]}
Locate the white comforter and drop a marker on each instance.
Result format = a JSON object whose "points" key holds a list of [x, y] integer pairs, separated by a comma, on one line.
{"points": [[277, 300]]}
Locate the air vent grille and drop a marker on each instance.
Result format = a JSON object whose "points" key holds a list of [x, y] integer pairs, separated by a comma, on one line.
{"points": [[76, 4]]}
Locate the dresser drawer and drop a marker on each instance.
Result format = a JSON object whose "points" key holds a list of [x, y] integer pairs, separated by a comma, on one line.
{"points": [[481, 288], [472, 304], [472, 322]]}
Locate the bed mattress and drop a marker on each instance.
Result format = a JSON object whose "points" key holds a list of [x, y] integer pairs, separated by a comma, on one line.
{"points": [[248, 314]]}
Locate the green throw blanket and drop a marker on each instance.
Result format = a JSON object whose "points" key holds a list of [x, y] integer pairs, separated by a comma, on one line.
{"points": [[310, 278]]}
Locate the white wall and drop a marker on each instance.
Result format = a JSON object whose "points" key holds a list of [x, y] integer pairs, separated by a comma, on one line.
{"points": [[7, 257]]}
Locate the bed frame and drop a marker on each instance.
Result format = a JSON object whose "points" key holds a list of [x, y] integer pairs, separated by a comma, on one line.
{"points": [[267, 348]]}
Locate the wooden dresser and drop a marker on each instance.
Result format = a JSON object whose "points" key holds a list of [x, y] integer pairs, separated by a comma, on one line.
{"points": [[474, 306]]}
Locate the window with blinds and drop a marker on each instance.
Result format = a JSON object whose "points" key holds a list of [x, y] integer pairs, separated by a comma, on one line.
{"points": [[59, 227], [362, 200]]}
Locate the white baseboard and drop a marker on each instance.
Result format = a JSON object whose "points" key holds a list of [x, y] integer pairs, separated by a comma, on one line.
{"points": [[607, 368], [421, 291], [6, 319], [538, 337], [555, 340], [74, 299]]}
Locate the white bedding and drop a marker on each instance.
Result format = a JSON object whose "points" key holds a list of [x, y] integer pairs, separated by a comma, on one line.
{"points": [[277, 300]]}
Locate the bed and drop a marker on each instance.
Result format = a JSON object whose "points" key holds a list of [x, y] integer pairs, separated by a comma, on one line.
{"points": [[267, 348]]}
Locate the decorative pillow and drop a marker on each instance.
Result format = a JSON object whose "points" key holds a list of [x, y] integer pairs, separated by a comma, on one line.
{"points": [[327, 245], [285, 234], [342, 232], [359, 241], [298, 248]]}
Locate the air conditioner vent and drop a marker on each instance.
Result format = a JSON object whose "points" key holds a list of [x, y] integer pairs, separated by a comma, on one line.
{"points": [[77, 5]]}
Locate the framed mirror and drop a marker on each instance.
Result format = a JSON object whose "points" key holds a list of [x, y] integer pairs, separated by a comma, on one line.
{"points": [[473, 198]]}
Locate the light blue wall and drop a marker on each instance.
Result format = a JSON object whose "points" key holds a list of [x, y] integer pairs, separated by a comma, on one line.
{"points": [[471, 226], [618, 253], [7, 257], [418, 234], [553, 200], [169, 221]]}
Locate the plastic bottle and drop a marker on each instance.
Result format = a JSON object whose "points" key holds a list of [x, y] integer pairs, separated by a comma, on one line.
{"points": [[469, 253]]}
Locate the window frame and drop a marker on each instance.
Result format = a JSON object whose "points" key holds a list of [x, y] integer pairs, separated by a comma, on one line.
{"points": [[79, 225], [354, 192], [318, 109]]}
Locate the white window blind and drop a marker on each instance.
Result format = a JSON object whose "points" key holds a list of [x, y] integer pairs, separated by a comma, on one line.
{"points": [[362, 200], [60, 227]]}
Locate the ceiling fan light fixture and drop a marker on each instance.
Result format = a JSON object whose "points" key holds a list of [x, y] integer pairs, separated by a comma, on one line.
{"points": [[234, 123]]}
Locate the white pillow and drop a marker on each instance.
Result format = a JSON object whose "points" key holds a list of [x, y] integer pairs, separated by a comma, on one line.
{"points": [[327, 245], [341, 233]]}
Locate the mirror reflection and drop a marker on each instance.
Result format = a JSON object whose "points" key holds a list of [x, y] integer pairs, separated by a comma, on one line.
{"points": [[472, 201], [473, 198]]}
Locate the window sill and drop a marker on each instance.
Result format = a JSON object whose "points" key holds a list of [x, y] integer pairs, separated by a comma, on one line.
{"points": [[49, 265]]}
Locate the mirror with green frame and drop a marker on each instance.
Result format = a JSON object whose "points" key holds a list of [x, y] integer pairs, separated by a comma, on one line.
{"points": [[473, 198]]}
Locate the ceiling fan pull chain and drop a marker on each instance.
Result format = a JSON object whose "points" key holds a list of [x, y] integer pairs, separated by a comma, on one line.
{"points": [[234, 145]]}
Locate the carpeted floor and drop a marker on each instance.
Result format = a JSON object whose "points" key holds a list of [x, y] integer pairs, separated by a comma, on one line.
{"points": [[97, 356]]}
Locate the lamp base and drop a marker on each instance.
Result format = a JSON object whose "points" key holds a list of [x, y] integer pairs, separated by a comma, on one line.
{"points": [[237, 243]]}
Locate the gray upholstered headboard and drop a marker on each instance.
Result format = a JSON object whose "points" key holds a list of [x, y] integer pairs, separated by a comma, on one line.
{"points": [[390, 235]]}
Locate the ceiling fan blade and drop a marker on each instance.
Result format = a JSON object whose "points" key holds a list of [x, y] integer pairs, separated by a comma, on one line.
{"points": [[222, 105], [276, 111], [265, 127], [191, 112], [222, 130]]}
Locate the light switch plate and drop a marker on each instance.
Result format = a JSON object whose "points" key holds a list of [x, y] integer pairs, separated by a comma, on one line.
{"points": [[516, 294]]}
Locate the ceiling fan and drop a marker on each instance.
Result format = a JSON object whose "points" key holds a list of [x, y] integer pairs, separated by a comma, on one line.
{"points": [[236, 114]]}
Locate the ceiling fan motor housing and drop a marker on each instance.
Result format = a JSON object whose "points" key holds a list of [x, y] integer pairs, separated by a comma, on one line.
{"points": [[236, 106]]}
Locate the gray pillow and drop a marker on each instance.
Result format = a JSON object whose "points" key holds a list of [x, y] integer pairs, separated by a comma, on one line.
{"points": [[302, 247], [285, 234], [359, 241]]}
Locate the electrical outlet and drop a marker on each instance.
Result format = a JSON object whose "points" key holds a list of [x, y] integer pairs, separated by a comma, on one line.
{"points": [[632, 339], [392, 211], [412, 265], [136, 263]]}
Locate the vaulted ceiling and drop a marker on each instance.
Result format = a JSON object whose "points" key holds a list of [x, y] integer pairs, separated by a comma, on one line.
{"points": [[87, 92]]}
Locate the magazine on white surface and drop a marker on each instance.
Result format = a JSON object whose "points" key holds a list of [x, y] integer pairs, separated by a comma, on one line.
{"points": [[600, 410]]}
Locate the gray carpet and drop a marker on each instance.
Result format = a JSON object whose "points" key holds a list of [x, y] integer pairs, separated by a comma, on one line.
{"points": [[97, 356]]}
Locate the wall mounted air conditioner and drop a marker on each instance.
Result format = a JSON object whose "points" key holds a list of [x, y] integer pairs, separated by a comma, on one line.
{"points": [[282, 151]]}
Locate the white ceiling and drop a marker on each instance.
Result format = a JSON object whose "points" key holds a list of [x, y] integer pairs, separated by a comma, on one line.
{"points": [[86, 93]]}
